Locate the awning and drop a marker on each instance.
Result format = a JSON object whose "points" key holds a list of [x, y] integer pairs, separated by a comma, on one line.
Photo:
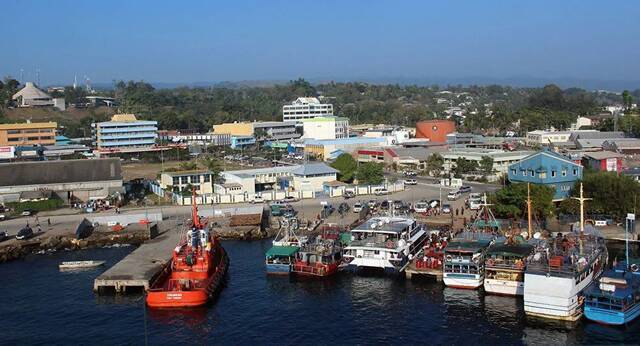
{"points": [[282, 251]]}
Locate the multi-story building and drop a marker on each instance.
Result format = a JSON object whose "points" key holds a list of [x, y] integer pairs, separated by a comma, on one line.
{"points": [[501, 159], [325, 128], [201, 180], [125, 133], [326, 149], [306, 108], [547, 168], [28, 134], [263, 130]]}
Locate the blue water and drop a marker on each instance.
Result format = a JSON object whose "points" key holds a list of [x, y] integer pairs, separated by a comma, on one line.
{"points": [[41, 305]]}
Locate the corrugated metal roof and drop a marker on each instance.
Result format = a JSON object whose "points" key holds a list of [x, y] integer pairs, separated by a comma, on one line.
{"points": [[30, 92], [57, 172]]}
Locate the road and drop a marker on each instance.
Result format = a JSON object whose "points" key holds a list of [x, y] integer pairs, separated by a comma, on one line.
{"points": [[65, 221]]}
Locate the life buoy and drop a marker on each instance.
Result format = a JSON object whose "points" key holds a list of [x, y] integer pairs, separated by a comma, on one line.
{"points": [[449, 258], [634, 268]]}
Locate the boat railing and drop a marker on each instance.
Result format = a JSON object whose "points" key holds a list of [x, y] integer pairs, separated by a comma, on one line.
{"points": [[372, 243], [303, 268], [504, 264]]}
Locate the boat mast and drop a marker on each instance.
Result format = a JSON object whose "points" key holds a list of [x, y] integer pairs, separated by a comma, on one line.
{"points": [[529, 229], [194, 209], [582, 199]]}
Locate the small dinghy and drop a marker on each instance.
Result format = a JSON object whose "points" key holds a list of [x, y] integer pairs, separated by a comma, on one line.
{"points": [[80, 265]]}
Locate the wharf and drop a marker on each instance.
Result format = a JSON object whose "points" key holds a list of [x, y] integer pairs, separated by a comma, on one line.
{"points": [[141, 267], [411, 270]]}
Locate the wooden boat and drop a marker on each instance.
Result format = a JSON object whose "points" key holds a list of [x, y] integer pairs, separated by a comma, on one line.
{"points": [[196, 272], [80, 265], [319, 258], [280, 257]]}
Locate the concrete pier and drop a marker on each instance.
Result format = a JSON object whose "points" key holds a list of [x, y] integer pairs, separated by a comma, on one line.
{"points": [[140, 268], [411, 270]]}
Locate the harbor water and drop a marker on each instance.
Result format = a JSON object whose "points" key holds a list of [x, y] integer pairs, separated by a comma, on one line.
{"points": [[42, 305]]}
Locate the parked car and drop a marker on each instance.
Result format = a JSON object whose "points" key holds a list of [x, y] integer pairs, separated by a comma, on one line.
{"points": [[2, 217], [475, 195], [28, 212], [475, 204], [276, 209], [410, 182], [381, 191], [290, 199], [257, 199], [372, 203], [421, 207], [349, 194], [343, 208], [464, 189], [384, 205], [453, 195], [357, 207], [24, 233], [4, 235], [446, 209], [434, 203], [289, 212], [409, 173]]}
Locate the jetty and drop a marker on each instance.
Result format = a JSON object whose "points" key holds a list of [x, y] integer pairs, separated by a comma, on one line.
{"points": [[140, 268]]}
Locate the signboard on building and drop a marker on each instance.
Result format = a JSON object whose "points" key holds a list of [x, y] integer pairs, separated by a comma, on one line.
{"points": [[7, 153], [612, 165]]}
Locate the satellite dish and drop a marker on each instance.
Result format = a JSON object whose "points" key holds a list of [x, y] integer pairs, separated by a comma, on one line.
{"points": [[537, 235]]}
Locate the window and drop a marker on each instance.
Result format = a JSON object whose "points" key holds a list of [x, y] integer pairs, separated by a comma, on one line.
{"points": [[531, 173], [514, 172], [564, 172], [553, 174], [542, 175], [33, 138], [207, 178], [14, 132], [15, 139], [176, 180], [575, 172]]}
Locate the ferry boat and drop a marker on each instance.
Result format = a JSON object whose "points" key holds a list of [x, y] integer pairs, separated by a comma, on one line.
{"points": [[505, 263], [197, 268], [280, 257], [615, 298], [504, 268], [558, 273], [384, 242], [319, 258], [464, 260]]}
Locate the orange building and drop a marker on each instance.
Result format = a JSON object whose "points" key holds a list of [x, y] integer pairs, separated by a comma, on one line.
{"points": [[435, 130], [28, 134]]}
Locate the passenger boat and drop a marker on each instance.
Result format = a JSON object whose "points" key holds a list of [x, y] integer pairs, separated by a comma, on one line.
{"points": [[197, 269], [615, 298], [558, 272], [319, 258], [505, 263], [464, 255], [80, 265], [280, 257], [504, 268], [464, 260], [385, 243]]}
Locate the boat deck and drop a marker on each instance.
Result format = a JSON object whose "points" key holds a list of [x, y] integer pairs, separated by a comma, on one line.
{"points": [[411, 270], [141, 267]]}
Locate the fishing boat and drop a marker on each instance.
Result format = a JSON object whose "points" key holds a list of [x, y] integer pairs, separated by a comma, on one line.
{"points": [[198, 266], [505, 263], [464, 255], [80, 265], [280, 257], [560, 270], [615, 298], [385, 243], [318, 258], [464, 260], [84, 229]]}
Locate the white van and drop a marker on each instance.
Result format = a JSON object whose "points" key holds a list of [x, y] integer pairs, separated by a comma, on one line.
{"points": [[453, 195]]}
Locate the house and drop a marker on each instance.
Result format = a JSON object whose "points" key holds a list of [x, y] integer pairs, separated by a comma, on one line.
{"points": [[306, 177], [626, 146], [501, 159], [547, 168], [202, 180], [607, 161]]}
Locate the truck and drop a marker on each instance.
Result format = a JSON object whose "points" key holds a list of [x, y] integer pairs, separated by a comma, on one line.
{"points": [[276, 209]]}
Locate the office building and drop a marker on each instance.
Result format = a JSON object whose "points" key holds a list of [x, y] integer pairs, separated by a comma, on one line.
{"points": [[325, 128], [306, 108], [28, 134], [125, 133]]}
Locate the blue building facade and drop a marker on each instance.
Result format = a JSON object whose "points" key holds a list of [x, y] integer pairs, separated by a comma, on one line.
{"points": [[547, 168], [238, 142], [131, 133]]}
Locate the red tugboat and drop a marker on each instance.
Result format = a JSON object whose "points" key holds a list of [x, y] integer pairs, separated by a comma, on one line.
{"points": [[319, 258], [198, 266]]}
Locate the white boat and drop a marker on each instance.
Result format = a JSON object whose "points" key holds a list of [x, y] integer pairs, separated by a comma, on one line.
{"points": [[464, 260], [504, 268], [557, 273], [80, 264], [384, 242]]}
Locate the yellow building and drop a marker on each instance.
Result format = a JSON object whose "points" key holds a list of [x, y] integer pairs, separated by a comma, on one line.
{"points": [[28, 134], [234, 129]]}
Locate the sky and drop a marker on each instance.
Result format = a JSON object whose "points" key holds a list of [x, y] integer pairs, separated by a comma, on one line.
{"points": [[206, 41]]}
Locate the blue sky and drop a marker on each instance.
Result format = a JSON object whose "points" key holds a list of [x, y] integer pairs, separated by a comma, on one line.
{"points": [[192, 41]]}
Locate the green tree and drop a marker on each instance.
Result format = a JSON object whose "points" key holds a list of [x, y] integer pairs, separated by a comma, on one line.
{"points": [[511, 201], [627, 99], [187, 166], [346, 166], [370, 173], [434, 164], [464, 166], [612, 194], [486, 165], [214, 166]]}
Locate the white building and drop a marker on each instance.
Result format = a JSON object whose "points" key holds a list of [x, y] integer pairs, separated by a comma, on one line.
{"points": [[31, 96], [580, 122], [306, 108], [501, 159], [325, 128], [306, 177], [392, 135], [179, 181]]}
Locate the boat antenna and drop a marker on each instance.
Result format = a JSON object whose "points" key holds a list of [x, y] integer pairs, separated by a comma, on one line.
{"points": [[529, 230], [194, 209]]}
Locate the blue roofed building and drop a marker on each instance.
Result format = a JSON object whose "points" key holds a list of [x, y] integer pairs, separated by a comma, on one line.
{"points": [[125, 133], [547, 168]]}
